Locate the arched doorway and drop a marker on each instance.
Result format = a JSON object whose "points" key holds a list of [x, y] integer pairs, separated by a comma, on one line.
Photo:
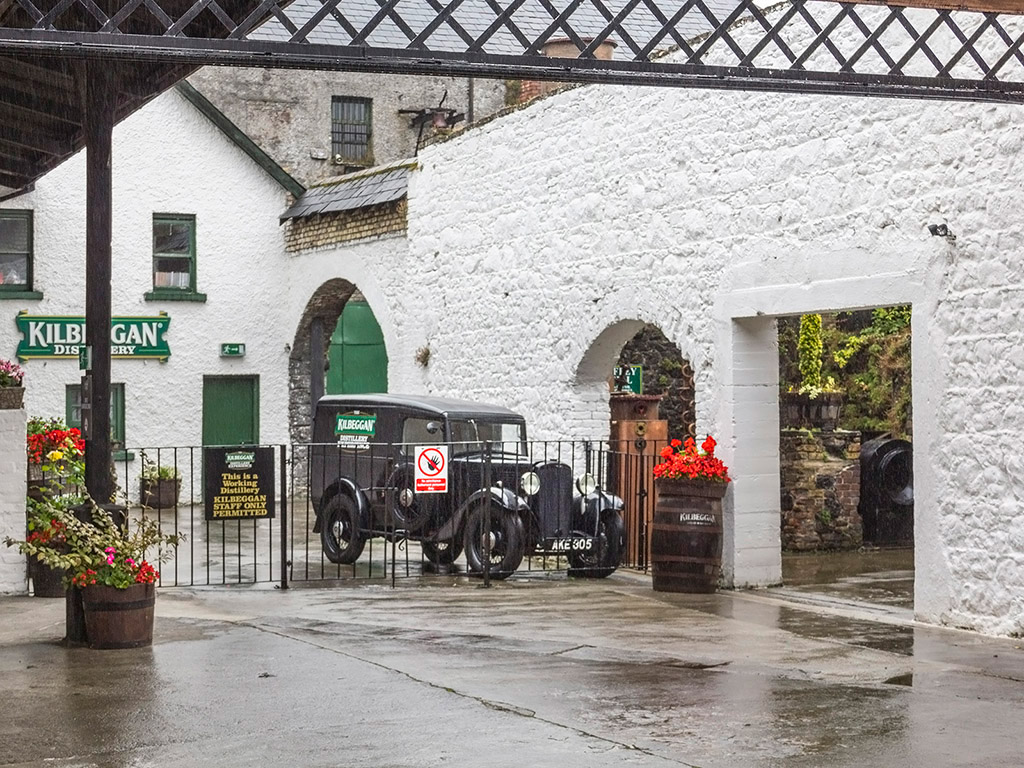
{"points": [[633, 441], [357, 359], [308, 363]]}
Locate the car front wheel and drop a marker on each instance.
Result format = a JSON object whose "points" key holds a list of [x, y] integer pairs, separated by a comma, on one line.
{"points": [[604, 558], [442, 552], [340, 535], [502, 547]]}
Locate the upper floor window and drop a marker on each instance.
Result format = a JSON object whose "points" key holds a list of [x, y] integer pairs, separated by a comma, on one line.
{"points": [[15, 250], [174, 258], [351, 130]]}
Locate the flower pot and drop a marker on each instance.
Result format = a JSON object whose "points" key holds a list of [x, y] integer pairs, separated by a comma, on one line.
{"points": [[159, 494], [11, 398], [686, 535], [805, 412], [46, 581], [119, 618]]}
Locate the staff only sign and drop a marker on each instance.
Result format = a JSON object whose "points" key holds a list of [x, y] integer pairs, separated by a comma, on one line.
{"points": [[239, 482], [432, 469], [62, 336]]}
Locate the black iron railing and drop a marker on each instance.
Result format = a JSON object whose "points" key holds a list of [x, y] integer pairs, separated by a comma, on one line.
{"points": [[398, 532]]}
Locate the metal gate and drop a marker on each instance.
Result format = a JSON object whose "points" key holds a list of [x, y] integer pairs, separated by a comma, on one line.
{"points": [[286, 549]]}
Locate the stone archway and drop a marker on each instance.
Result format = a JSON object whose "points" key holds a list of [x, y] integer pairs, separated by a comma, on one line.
{"points": [[314, 330], [666, 373]]}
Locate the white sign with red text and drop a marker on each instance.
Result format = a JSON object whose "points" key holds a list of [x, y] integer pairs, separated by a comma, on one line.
{"points": [[432, 469]]}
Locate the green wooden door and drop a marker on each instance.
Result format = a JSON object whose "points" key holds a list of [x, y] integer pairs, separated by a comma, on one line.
{"points": [[358, 358], [231, 410]]}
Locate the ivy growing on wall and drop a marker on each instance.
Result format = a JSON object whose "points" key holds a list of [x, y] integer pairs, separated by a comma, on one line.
{"points": [[868, 354]]}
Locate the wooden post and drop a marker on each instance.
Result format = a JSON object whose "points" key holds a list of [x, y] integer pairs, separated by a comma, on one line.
{"points": [[100, 96], [99, 126]]}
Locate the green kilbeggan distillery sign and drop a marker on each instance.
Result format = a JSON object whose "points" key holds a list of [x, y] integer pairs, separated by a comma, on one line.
{"points": [[64, 336]]}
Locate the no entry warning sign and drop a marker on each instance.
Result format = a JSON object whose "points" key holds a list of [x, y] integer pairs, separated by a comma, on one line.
{"points": [[432, 469]]}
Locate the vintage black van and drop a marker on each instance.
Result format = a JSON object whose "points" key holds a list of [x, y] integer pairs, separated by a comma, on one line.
{"points": [[363, 484]]}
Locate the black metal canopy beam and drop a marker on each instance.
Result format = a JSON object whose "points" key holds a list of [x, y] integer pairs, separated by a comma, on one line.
{"points": [[811, 46]]}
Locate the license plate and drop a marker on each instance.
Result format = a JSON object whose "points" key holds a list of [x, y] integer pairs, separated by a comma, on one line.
{"points": [[570, 544]]}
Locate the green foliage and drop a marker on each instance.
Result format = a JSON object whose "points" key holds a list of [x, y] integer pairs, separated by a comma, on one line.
{"points": [[111, 554], [152, 472], [867, 353], [809, 350]]}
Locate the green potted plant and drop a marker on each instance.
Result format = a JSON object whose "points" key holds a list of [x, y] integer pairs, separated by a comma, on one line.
{"points": [[12, 393], [818, 402], [107, 562], [159, 485], [686, 544]]}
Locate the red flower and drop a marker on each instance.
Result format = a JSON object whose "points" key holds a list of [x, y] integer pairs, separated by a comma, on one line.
{"points": [[675, 442], [708, 446]]}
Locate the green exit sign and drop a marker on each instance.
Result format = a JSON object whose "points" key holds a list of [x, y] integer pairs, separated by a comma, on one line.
{"points": [[232, 350]]}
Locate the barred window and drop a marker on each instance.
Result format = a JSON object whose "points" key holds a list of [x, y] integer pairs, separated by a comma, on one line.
{"points": [[351, 130]]}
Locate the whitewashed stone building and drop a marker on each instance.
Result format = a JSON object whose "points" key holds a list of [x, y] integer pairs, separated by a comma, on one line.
{"points": [[524, 252]]}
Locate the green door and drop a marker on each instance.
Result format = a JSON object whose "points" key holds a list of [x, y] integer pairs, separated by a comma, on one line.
{"points": [[358, 359], [231, 410]]}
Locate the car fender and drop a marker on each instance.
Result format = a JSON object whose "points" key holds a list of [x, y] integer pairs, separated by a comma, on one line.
{"points": [[347, 487], [589, 507], [501, 499]]}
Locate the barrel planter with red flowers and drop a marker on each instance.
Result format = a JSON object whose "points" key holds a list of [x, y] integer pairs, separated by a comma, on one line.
{"points": [[105, 558], [686, 537]]}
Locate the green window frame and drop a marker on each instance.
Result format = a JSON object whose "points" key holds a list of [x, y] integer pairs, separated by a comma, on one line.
{"points": [[174, 258], [352, 130], [73, 412], [17, 254]]}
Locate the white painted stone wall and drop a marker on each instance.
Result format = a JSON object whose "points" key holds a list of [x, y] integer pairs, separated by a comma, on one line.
{"points": [[12, 499], [707, 213], [539, 242], [168, 158]]}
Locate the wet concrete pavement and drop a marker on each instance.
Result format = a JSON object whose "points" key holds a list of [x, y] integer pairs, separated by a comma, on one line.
{"points": [[534, 672]]}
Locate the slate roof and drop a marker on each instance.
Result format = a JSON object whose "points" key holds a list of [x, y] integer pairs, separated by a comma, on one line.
{"points": [[475, 16], [382, 184]]}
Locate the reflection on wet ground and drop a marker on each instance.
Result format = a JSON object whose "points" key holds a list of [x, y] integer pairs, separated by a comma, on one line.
{"points": [[881, 576]]}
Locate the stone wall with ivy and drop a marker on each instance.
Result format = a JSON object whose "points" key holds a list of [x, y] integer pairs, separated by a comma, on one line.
{"points": [[867, 355]]}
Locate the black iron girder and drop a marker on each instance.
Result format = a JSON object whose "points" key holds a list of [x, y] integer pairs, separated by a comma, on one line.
{"points": [[808, 46]]}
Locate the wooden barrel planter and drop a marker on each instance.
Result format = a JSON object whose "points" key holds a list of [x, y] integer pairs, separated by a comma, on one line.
{"points": [[46, 581], [686, 535], [119, 618]]}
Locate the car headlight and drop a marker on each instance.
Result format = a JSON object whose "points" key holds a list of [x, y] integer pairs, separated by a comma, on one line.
{"points": [[530, 483], [586, 484]]}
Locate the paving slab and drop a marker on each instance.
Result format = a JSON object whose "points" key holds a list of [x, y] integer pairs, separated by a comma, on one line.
{"points": [[534, 672]]}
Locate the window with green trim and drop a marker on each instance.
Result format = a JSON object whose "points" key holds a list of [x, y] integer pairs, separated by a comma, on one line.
{"points": [[15, 250], [73, 411], [174, 253]]}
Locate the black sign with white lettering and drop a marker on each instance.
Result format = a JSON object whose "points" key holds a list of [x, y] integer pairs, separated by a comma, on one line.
{"points": [[239, 483]]}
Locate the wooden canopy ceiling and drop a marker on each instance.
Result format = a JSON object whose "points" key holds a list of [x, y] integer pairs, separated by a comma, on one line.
{"points": [[42, 96]]}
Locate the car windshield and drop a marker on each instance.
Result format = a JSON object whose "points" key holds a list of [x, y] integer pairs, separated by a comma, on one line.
{"points": [[467, 434]]}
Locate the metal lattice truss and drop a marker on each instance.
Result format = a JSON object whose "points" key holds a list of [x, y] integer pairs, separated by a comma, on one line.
{"points": [[805, 45]]}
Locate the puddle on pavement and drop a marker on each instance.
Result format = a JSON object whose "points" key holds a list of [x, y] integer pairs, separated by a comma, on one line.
{"points": [[881, 577]]}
